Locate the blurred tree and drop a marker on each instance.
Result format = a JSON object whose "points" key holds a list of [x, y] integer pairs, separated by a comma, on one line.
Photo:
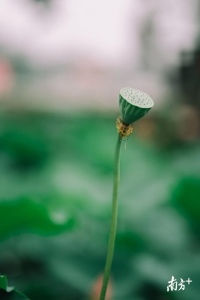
{"points": [[189, 74], [45, 1], [147, 41]]}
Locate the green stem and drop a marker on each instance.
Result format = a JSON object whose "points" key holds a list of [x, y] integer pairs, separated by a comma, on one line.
{"points": [[111, 243]]}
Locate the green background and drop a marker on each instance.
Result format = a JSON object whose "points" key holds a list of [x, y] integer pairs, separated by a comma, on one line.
{"points": [[55, 205]]}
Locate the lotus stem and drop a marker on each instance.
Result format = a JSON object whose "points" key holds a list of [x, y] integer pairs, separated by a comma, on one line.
{"points": [[133, 104], [111, 243]]}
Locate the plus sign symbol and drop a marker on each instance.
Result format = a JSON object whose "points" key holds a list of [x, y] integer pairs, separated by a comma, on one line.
{"points": [[188, 281]]}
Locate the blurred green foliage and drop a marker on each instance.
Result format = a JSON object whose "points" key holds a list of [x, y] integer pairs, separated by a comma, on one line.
{"points": [[29, 215], [55, 203], [9, 293], [187, 201]]}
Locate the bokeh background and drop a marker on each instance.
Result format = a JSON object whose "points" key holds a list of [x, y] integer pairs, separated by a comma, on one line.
{"points": [[62, 64]]}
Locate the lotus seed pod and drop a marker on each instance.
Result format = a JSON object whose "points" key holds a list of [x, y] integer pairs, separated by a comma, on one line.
{"points": [[133, 104]]}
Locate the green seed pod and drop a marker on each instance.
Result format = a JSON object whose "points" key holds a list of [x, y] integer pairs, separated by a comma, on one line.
{"points": [[133, 104]]}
